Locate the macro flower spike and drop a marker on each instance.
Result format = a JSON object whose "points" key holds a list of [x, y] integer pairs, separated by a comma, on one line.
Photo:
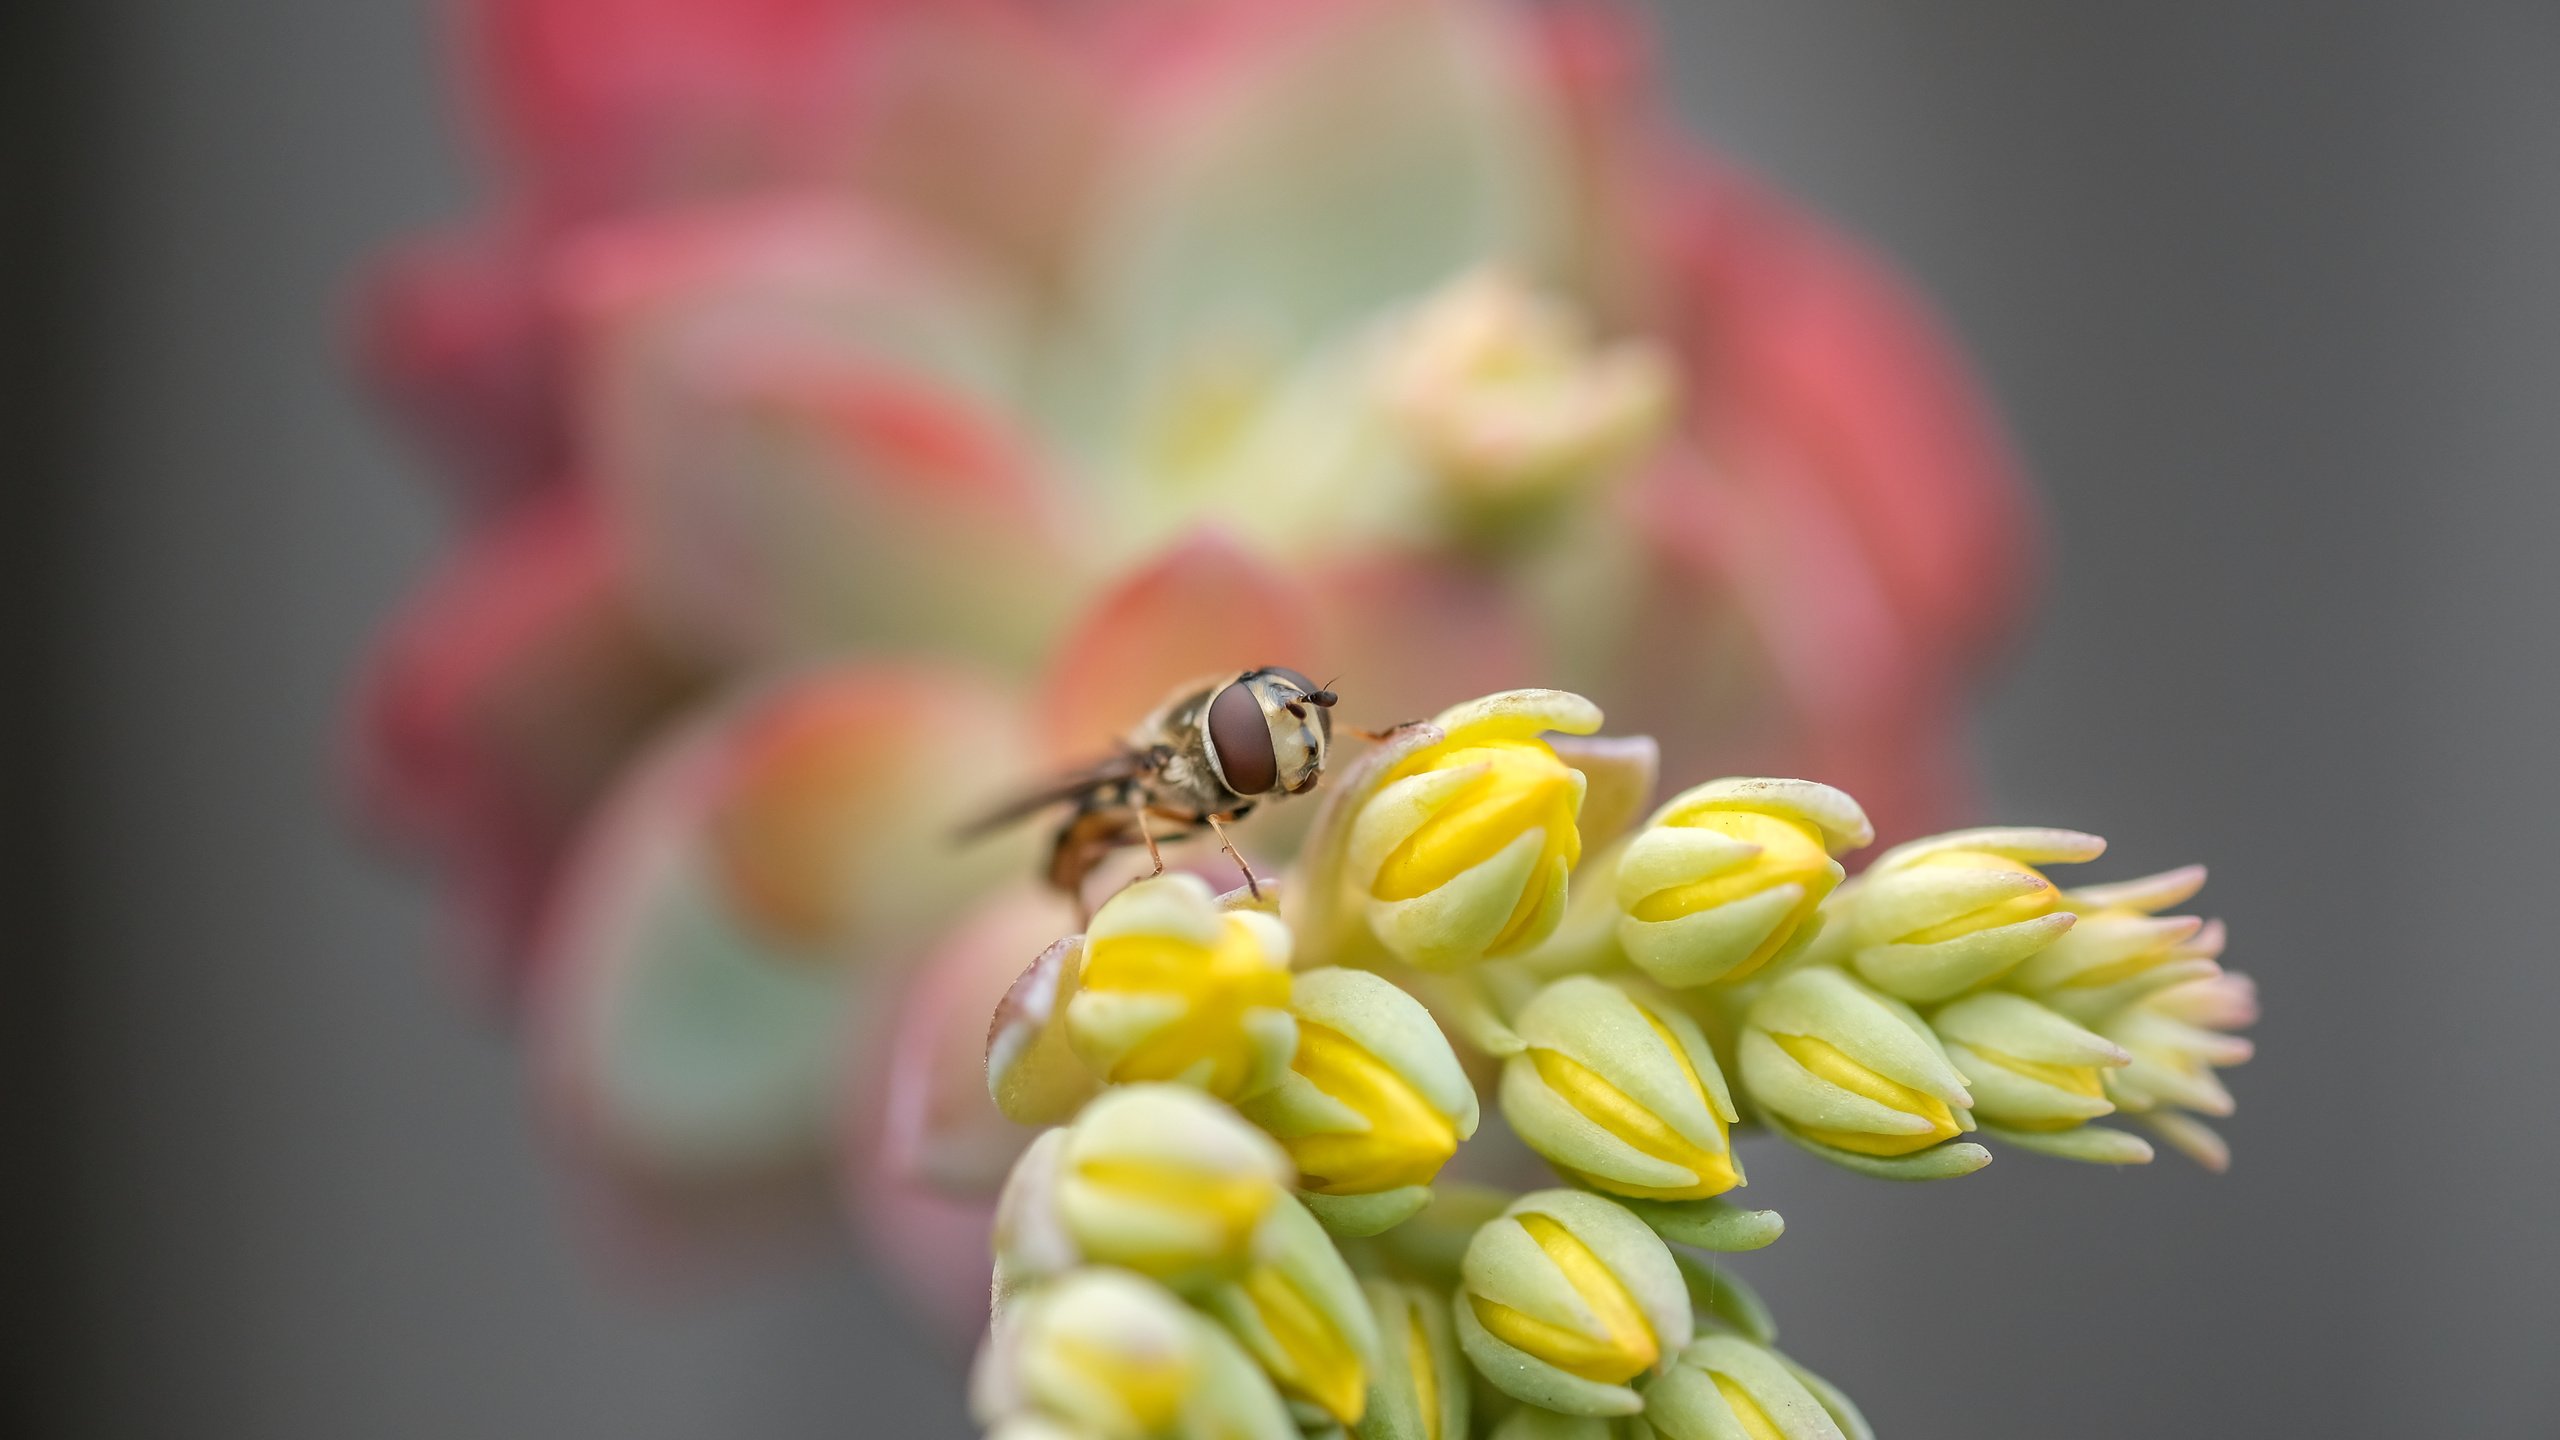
{"points": [[1465, 848], [1731, 874]]}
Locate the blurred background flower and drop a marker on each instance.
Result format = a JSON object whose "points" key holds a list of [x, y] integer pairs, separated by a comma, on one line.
{"points": [[1083, 349]]}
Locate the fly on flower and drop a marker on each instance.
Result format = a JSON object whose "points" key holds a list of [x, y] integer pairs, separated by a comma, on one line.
{"points": [[1211, 752]]}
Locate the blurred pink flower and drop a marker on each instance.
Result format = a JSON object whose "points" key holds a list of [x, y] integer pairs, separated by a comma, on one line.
{"points": [[853, 405]]}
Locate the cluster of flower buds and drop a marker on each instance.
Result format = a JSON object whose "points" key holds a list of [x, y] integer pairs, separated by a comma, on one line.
{"points": [[1239, 1228]]}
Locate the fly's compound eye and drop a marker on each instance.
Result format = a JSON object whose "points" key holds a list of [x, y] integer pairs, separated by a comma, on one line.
{"points": [[1240, 742]]}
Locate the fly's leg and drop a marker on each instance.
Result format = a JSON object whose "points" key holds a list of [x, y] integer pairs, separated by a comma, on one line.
{"points": [[1251, 885], [1155, 856]]}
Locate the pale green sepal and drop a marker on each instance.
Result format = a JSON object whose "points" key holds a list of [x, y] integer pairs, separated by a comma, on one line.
{"points": [[1320, 902], [1703, 947], [1459, 921], [2015, 1025], [1528, 1423], [1358, 1216], [1033, 1072], [1298, 1247], [1719, 1293], [2027, 844], [1390, 1024], [1519, 714], [1875, 1030], [2149, 894], [1844, 1411], [1924, 973], [2090, 1144], [1711, 1224], [1944, 1161], [2190, 1137], [1526, 1378], [1686, 1404], [1620, 771], [1397, 1311]]}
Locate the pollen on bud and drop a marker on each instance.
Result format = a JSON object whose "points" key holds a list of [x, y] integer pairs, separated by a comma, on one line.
{"points": [[1301, 1315], [1173, 988], [1566, 1299], [1510, 402], [1375, 1101], [1418, 1389], [1935, 918], [1620, 1093], [1465, 848], [1724, 1387], [1848, 1067], [1731, 874], [1160, 1179], [1103, 1352]]}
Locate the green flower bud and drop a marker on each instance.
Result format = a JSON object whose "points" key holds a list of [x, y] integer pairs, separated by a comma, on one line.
{"points": [[1620, 1093], [1565, 1298], [1160, 1179], [2028, 1068], [1373, 1104], [1726, 1388], [1464, 847], [1937, 917], [1111, 1355], [1731, 874], [1419, 1387], [1171, 987], [2177, 1038], [2122, 949], [1849, 1068], [1531, 1423], [1300, 1313]]}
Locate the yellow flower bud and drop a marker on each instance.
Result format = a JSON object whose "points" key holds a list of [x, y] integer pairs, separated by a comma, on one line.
{"points": [[1375, 1101], [1509, 401], [1725, 1387], [1846, 1067], [1567, 1298], [2122, 949], [1938, 917], [1464, 848], [2028, 1068], [1300, 1313], [1174, 988], [1620, 1094], [1730, 874], [1108, 1354], [1419, 1389], [1160, 1179]]}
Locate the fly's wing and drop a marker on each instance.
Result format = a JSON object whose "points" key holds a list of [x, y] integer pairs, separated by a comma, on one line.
{"points": [[1072, 786]]}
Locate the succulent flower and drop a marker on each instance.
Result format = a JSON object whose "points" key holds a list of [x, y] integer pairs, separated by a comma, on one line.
{"points": [[1159, 1179], [1301, 1314], [1850, 1068], [1567, 1298], [1464, 849], [2121, 947], [1937, 917], [1375, 1101], [1726, 1388], [1620, 1093], [2177, 1038], [1512, 404], [2027, 1067], [1730, 874], [1419, 1387], [1105, 1353], [1173, 988]]}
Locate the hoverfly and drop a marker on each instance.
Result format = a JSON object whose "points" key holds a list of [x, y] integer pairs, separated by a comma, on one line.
{"points": [[1210, 753]]}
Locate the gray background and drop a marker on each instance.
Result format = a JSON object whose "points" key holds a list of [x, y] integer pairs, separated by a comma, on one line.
{"points": [[2267, 292]]}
